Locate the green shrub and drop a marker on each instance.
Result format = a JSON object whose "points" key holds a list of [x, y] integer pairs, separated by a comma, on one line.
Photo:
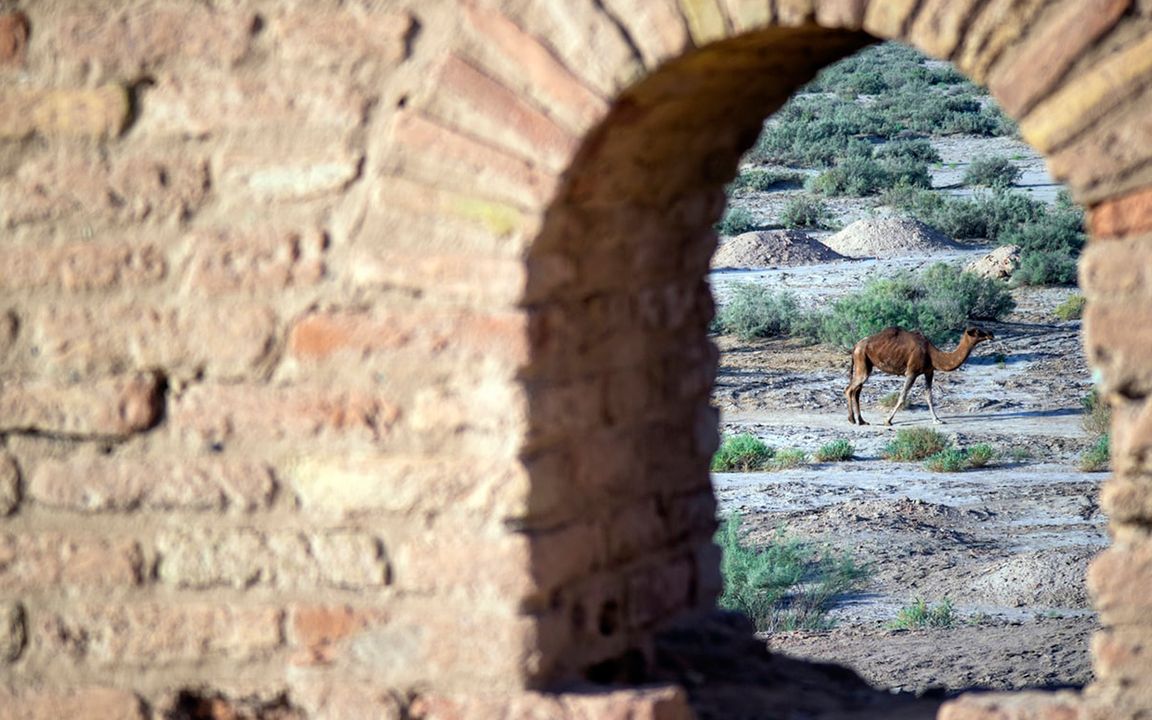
{"points": [[741, 453], [989, 215], [938, 302], [915, 444], [921, 615], [1097, 418], [1070, 309], [763, 180], [1020, 454], [948, 460], [805, 211], [1049, 244], [754, 311], [992, 172], [835, 451], [736, 220], [1096, 458], [860, 176], [788, 458], [980, 455], [784, 585], [916, 149]]}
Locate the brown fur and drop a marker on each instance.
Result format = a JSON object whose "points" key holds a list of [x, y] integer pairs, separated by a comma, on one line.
{"points": [[902, 352]]}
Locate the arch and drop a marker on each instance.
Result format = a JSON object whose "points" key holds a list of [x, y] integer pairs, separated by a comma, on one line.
{"points": [[600, 135]]}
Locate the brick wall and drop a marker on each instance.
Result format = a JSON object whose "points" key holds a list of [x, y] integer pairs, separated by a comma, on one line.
{"points": [[353, 355]]}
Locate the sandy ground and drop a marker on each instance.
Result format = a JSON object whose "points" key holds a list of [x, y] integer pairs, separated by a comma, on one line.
{"points": [[1008, 544]]}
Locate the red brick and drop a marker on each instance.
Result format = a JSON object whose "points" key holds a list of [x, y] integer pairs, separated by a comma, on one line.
{"points": [[129, 41], [463, 277], [51, 561], [152, 634], [248, 557], [1050, 50], [75, 703], [112, 407], [83, 266], [187, 340], [327, 39], [1122, 216], [98, 112], [1120, 579], [262, 259], [9, 485], [89, 482], [479, 105], [499, 337], [430, 150], [318, 631], [13, 38], [225, 413], [573, 101], [656, 26]]}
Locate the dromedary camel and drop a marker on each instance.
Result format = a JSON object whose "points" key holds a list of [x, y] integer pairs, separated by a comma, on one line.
{"points": [[901, 352]]}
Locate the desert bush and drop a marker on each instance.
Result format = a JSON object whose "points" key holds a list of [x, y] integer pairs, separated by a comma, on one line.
{"points": [[741, 453], [784, 585], [990, 215], [938, 302], [915, 444], [1070, 309], [915, 149], [921, 615], [788, 458], [992, 172], [860, 176], [1045, 267], [835, 451], [1097, 457], [736, 220], [1097, 418], [980, 455], [805, 211], [947, 460], [762, 180], [754, 311]]}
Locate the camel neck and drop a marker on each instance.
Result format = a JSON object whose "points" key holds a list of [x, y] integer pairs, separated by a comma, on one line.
{"points": [[950, 360]]}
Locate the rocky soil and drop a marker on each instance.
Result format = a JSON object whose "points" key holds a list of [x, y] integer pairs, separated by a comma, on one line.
{"points": [[1008, 544]]}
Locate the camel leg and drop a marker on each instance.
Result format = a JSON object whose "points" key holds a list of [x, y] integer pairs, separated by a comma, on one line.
{"points": [[928, 391], [861, 370], [908, 380]]}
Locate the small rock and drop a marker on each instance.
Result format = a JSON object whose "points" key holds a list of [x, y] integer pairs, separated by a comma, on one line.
{"points": [[998, 264]]}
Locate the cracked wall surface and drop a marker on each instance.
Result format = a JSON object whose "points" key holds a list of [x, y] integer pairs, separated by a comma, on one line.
{"points": [[353, 355]]}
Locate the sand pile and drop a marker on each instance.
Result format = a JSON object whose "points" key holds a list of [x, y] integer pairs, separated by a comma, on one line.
{"points": [[887, 237], [770, 248]]}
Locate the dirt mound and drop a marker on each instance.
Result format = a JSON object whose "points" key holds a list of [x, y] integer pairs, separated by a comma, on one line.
{"points": [[998, 264], [772, 247], [888, 237], [1037, 578]]}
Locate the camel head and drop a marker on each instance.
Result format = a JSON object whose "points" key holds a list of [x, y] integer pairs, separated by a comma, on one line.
{"points": [[975, 336]]}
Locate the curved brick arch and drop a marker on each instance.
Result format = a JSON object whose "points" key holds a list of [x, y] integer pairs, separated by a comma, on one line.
{"points": [[619, 431]]}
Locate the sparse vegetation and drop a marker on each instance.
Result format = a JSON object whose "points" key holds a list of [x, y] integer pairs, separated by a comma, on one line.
{"points": [[788, 458], [1097, 458], [996, 172], [889, 400], [806, 211], [835, 451], [915, 444], [754, 311], [736, 220], [920, 615], [763, 180], [786, 584], [858, 176], [1097, 418], [1070, 309], [742, 453], [953, 459], [980, 455]]}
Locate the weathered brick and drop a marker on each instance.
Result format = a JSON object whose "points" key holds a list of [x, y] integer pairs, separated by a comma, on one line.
{"points": [[247, 557], [13, 38], [296, 173], [318, 631], [540, 72], [1116, 269], [99, 112], [13, 634], [1050, 50], [656, 26], [51, 561], [495, 409], [1086, 97], [350, 485], [217, 414], [9, 485], [461, 277], [257, 260], [706, 21], [651, 703], [997, 25], [659, 591], [336, 699], [635, 529], [112, 407], [76, 703], [127, 188], [1127, 215], [343, 40], [151, 634], [1128, 499], [847, 14], [444, 563], [83, 266], [498, 337], [433, 151], [1030, 705], [130, 41], [888, 19], [1099, 163], [1120, 579], [90, 482], [1116, 339], [938, 26], [472, 101], [216, 341], [747, 15]]}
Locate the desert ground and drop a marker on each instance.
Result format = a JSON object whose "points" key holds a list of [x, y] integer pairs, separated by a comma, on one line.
{"points": [[1007, 544]]}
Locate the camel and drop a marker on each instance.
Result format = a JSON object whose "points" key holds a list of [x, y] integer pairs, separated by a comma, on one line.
{"points": [[902, 352]]}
